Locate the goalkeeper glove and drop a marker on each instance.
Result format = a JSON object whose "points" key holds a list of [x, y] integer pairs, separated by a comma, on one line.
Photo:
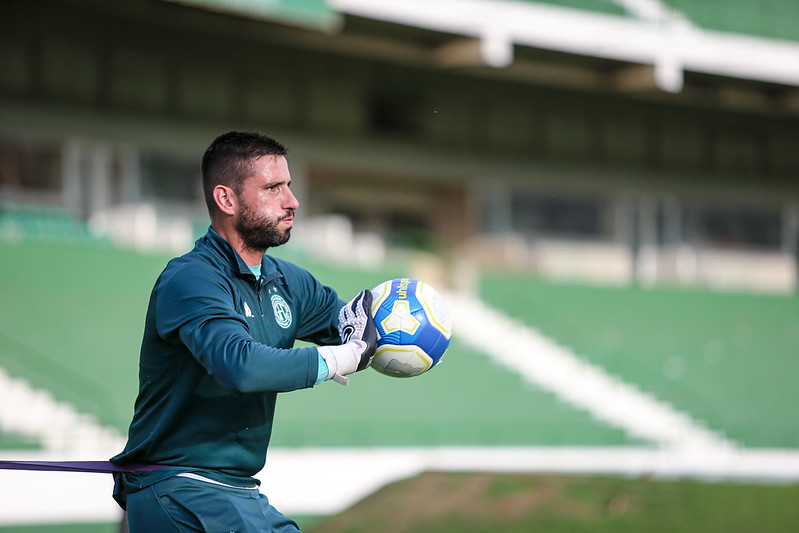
{"points": [[358, 336]]}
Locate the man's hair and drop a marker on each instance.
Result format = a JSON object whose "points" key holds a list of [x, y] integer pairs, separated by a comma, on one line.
{"points": [[228, 161]]}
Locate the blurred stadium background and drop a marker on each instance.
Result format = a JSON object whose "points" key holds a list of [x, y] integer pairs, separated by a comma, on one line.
{"points": [[605, 190]]}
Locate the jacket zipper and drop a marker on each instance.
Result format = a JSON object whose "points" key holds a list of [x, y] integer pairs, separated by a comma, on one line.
{"points": [[258, 287]]}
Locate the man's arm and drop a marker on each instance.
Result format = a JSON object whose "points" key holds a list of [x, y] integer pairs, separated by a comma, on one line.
{"points": [[196, 308]]}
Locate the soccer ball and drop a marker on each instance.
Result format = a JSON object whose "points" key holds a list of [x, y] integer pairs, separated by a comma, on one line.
{"points": [[413, 327]]}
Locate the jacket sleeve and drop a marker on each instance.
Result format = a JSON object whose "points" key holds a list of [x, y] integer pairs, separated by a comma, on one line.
{"points": [[320, 307], [195, 309]]}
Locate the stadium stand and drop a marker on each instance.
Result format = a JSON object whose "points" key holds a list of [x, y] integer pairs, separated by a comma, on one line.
{"points": [[14, 441], [89, 358], [775, 19], [33, 222], [772, 19], [711, 354], [468, 400], [608, 6], [727, 358]]}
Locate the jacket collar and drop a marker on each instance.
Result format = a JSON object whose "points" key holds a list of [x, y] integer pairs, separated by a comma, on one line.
{"points": [[225, 250]]}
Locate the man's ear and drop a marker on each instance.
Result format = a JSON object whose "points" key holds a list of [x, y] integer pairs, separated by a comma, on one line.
{"points": [[226, 199]]}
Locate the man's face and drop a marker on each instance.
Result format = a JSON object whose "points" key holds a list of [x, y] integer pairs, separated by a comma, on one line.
{"points": [[266, 204]]}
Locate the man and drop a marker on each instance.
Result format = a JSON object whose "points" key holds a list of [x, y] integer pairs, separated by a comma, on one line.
{"points": [[217, 348]]}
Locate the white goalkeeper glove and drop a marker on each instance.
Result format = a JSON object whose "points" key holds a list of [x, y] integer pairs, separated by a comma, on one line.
{"points": [[358, 336]]}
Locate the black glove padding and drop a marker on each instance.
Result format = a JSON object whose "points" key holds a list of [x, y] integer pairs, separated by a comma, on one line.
{"points": [[355, 322]]}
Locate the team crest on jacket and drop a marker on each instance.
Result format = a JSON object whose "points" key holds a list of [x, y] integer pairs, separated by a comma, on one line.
{"points": [[282, 311]]}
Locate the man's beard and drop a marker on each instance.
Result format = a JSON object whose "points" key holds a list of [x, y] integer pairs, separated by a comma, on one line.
{"points": [[259, 232]]}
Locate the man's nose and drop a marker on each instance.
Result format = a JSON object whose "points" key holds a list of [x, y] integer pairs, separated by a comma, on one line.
{"points": [[289, 200]]}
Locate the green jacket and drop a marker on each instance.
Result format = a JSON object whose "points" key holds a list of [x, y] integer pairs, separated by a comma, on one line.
{"points": [[217, 349]]}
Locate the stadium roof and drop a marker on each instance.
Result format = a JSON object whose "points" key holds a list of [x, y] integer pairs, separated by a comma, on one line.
{"points": [[634, 46], [310, 13], [669, 35]]}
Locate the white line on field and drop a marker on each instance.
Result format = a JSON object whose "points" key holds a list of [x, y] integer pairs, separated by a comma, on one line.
{"points": [[545, 363]]}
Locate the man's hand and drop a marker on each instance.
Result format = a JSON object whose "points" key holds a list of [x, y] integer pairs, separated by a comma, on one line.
{"points": [[358, 337], [355, 322]]}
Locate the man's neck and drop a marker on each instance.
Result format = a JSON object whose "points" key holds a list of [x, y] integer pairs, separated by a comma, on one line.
{"points": [[249, 256]]}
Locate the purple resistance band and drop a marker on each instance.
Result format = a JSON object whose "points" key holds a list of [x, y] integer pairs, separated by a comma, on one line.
{"points": [[104, 467]]}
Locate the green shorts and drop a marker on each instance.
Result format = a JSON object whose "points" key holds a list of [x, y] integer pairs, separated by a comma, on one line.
{"points": [[180, 504]]}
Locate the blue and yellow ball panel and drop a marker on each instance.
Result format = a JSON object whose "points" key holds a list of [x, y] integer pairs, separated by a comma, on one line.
{"points": [[413, 325]]}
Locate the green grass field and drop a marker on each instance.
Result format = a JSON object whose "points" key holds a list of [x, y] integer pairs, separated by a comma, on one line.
{"points": [[521, 503], [516, 503]]}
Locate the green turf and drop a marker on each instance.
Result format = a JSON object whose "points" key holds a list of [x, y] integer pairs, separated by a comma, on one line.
{"points": [[729, 359], [516, 503]]}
